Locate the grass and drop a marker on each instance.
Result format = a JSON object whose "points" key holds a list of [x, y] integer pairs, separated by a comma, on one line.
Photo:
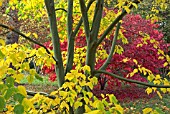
{"points": [[40, 86], [39, 82], [136, 106]]}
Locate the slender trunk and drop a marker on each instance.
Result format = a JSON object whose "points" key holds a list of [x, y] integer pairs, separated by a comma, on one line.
{"points": [[56, 42]]}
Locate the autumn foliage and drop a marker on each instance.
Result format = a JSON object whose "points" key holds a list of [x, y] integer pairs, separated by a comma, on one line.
{"points": [[89, 44], [138, 46]]}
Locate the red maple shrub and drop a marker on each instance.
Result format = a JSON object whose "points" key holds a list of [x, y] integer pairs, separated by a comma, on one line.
{"points": [[146, 54]]}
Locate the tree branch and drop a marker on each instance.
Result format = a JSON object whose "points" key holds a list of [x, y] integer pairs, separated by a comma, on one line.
{"points": [[81, 19], [103, 67], [70, 47], [106, 32], [97, 19], [116, 21], [85, 19], [59, 69], [132, 81], [57, 9], [27, 38]]}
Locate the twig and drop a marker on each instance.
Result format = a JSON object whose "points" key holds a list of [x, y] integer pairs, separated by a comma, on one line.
{"points": [[57, 9]]}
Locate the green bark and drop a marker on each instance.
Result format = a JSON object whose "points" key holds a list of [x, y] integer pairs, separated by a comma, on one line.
{"points": [[70, 52], [56, 42]]}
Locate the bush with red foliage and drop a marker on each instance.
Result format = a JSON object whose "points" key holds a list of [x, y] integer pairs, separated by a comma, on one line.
{"points": [[146, 55]]}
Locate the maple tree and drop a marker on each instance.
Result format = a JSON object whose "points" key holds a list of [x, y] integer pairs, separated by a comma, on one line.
{"points": [[96, 23]]}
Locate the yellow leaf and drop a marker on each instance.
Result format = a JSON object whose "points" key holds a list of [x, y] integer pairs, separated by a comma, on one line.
{"points": [[135, 61], [63, 94], [127, 9], [94, 112], [64, 105], [87, 109], [30, 78], [135, 5], [77, 104], [102, 95], [22, 90], [90, 94], [165, 64], [151, 77], [86, 100], [90, 85], [86, 68], [119, 108], [95, 103], [164, 90], [57, 100], [147, 110], [2, 42], [13, 7], [135, 70], [125, 60], [28, 34], [148, 90], [168, 74], [69, 76], [154, 89], [159, 94], [156, 82], [18, 77], [35, 35], [161, 57], [1, 3], [157, 77], [168, 89], [27, 104]]}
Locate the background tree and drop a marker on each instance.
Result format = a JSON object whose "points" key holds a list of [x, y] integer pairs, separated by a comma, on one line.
{"points": [[74, 94]]}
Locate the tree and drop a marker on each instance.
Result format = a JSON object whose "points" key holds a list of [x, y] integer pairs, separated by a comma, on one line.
{"points": [[75, 84]]}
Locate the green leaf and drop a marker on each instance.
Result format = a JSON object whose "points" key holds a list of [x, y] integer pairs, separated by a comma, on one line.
{"points": [[19, 109], [38, 77], [3, 87], [1, 55], [18, 97], [2, 103], [10, 82], [108, 112], [9, 93], [100, 106], [159, 110], [7, 10], [112, 99]]}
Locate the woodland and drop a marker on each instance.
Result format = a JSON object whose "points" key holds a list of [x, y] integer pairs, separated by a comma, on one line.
{"points": [[84, 57]]}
